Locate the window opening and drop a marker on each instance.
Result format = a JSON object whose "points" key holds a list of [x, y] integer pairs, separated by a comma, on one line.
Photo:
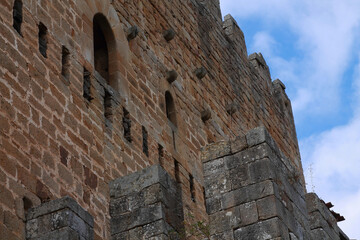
{"points": [[127, 125], [177, 171], [173, 138], [65, 61], [145, 141], [17, 15], [161, 154], [42, 39], [27, 204], [107, 105], [101, 54], [192, 188], [86, 85], [170, 108]]}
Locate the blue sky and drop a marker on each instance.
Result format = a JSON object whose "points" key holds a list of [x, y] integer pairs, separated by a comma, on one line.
{"points": [[314, 48]]}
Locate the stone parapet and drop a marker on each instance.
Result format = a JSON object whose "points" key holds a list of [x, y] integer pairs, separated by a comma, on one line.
{"points": [[252, 190], [323, 224], [258, 62], [59, 219], [235, 35], [145, 204]]}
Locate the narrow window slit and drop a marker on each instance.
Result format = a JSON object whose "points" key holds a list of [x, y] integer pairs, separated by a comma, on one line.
{"points": [[127, 125], [170, 108], [145, 141], [42, 39], [17, 15], [173, 138], [27, 204], [204, 195], [177, 171], [107, 105], [101, 53], [192, 188], [65, 61], [86, 85], [161, 154]]}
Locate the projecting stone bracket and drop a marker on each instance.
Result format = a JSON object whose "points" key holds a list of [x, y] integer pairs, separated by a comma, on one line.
{"points": [[169, 34], [60, 219], [205, 114], [231, 108], [132, 32], [200, 72], [171, 76]]}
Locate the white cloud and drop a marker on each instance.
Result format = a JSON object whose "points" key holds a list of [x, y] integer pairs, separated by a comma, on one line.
{"points": [[332, 165], [334, 158], [325, 35], [264, 42]]}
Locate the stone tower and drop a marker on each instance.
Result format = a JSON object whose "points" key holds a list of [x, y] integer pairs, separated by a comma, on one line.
{"points": [[140, 120]]}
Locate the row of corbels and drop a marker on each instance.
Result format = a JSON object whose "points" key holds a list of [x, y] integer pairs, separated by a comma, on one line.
{"points": [[231, 108], [133, 31], [169, 35], [201, 72], [172, 75]]}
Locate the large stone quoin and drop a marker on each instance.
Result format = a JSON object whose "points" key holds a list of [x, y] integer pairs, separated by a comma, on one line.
{"points": [[145, 119]]}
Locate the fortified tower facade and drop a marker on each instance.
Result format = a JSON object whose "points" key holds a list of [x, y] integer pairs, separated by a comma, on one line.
{"points": [[144, 119]]}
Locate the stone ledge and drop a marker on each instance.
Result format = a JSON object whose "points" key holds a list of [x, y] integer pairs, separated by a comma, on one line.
{"points": [[59, 204], [137, 181], [223, 148], [252, 138], [60, 234]]}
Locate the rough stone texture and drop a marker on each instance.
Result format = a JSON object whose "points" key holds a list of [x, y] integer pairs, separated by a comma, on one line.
{"points": [[59, 219], [59, 136], [255, 193], [323, 224], [145, 204]]}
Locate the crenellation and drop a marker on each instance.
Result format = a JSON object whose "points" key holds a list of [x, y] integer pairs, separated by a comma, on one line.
{"points": [[235, 35], [59, 219], [110, 90]]}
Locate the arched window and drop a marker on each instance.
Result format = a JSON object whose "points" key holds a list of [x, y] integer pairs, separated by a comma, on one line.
{"points": [[104, 46], [17, 15], [104, 50], [170, 107]]}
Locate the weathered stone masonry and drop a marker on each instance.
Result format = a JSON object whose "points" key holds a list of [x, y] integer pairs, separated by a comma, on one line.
{"points": [[94, 91], [252, 192]]}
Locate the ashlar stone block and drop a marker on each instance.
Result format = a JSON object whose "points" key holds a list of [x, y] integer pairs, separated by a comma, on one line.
{"points": [[145, 205], [59, 219]]}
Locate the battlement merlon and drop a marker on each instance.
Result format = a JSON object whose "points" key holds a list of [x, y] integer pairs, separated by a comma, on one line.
{"points": [[213, 6], [235, 35], [284, 103]]}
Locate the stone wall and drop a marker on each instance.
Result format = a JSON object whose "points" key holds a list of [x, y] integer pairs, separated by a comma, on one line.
{"points": [[61, 219], [68, 130], [146, 205], [252, 192], [323, 224]]}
